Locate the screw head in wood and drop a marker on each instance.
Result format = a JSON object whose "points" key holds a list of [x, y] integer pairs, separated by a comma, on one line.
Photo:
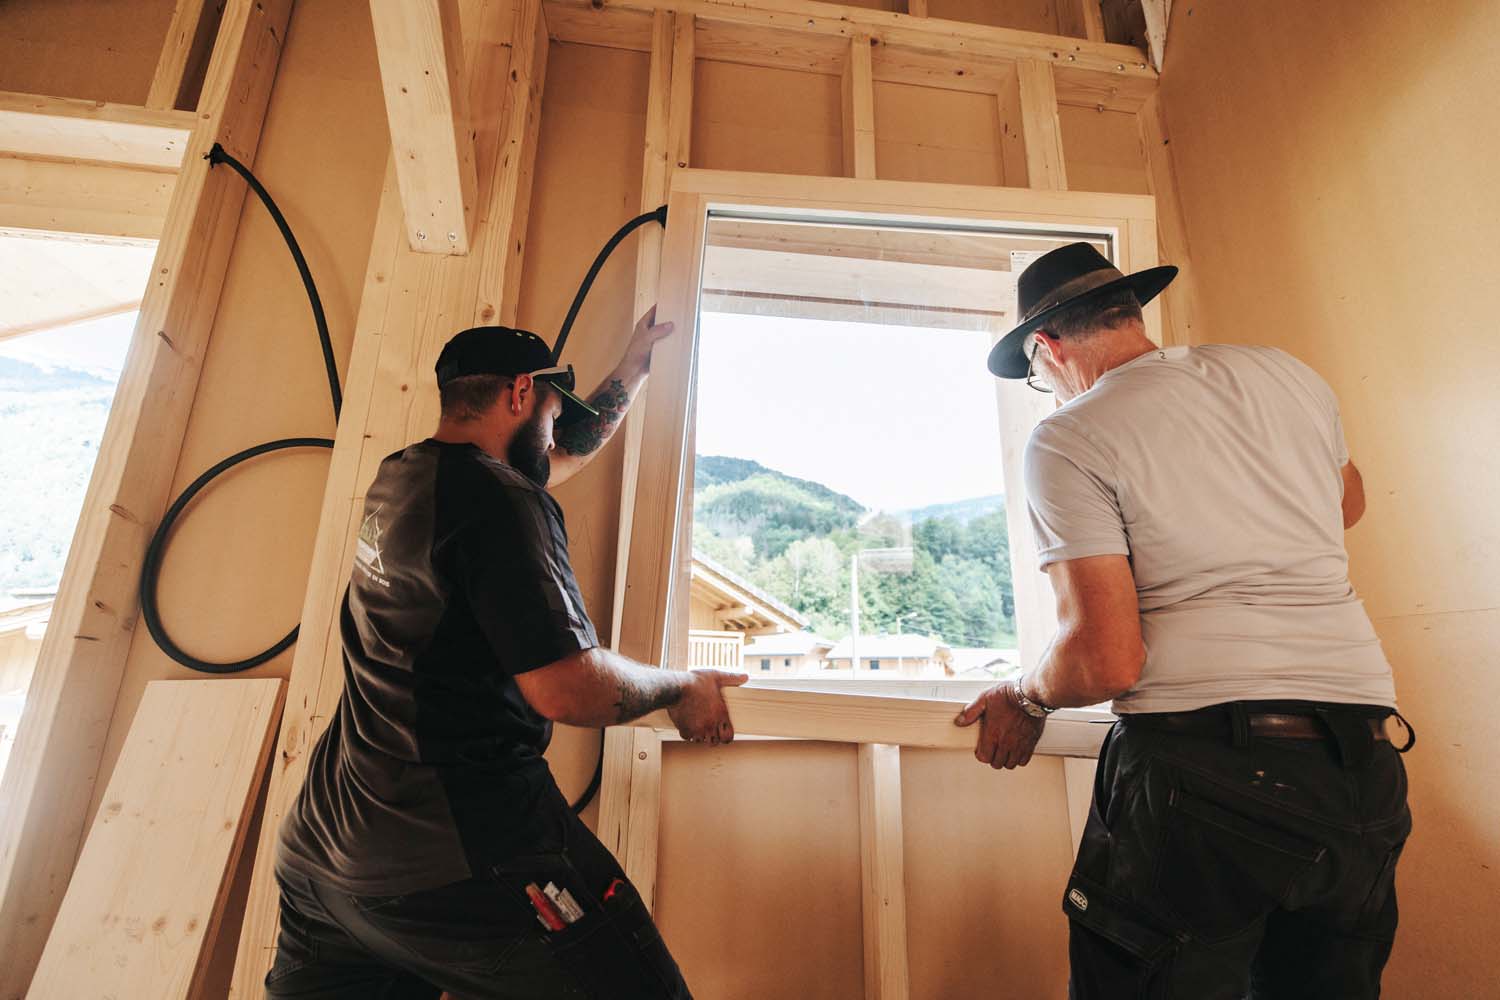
{"points": [[452, 237], [642, 755], [421, 235]]}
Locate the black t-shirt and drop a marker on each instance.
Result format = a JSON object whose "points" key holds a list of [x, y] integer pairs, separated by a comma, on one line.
{"points": [[432, 770]]}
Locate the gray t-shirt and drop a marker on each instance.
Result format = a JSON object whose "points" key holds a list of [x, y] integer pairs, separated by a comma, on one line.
{"points": [[1216, 469]]}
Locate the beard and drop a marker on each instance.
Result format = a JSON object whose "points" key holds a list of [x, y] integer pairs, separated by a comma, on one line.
{"points": [[528, 453]]}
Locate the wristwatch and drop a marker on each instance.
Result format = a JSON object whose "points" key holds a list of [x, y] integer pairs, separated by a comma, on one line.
{"points": [[1034, 709]]}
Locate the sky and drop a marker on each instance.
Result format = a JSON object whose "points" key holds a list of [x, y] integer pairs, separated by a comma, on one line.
{"points": [[96, 346], [895, 417]]}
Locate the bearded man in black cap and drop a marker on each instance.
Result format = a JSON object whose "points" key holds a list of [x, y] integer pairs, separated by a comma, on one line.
{"points": [[1189, 505], [430, 849]]}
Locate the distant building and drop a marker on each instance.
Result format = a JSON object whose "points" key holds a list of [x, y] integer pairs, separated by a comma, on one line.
{"points": [[723, 609], [787, 653], [971, 663], [903, 655]]}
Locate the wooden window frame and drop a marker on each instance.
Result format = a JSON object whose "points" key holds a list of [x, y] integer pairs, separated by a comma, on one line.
{"points": [[656, 566]]}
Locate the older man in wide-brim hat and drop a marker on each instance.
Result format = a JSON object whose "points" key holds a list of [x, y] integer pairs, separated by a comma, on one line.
{"points": [[1189, 505]]}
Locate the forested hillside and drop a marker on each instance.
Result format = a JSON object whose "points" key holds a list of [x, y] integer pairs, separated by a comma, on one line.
{"points": [[795, 537], [51, 420]]}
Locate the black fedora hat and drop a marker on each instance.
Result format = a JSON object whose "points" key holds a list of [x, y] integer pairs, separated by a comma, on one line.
{"points": [[1061, 278]]}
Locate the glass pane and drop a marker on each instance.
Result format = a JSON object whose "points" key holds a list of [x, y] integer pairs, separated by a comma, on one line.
{"points": [[852, 455], [57, 381]]}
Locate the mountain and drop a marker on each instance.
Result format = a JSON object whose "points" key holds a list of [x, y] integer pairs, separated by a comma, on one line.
{"points": [[712, 470], [51, 421], [795, 538], [962, 511]]}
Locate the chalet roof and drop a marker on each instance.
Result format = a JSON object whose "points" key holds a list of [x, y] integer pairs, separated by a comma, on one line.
{"points": [[787, 644], [708, 573], [906, 645]]}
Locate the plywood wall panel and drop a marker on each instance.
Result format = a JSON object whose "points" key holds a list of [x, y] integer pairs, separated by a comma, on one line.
{"points": [[587, 183], [1336, 171], [235, 572], [758, 892], [987, 857], [100, 50], [768, 120], [925, 134], [1026, 15], [1103, 151]]}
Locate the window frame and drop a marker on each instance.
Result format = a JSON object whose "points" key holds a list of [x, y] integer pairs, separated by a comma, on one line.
{"points": [[658, 510]]}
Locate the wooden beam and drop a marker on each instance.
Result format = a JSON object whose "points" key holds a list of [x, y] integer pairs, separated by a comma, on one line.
{"points": [[882, 872], [1179, 303], [908, 49], [1040, 128], [411, 304], [144, 907], [859, 110], [421, 66], [1081, 19], [94, 199], [49, 781], [183, 38], [872, 718], [630, 791], [1158, 13], [916, 8], [66, 128]]}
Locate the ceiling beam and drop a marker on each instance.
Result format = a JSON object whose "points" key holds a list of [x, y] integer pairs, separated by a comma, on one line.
{"points": [[925, 51], [82, 198], [421, 65], [97, 131]]}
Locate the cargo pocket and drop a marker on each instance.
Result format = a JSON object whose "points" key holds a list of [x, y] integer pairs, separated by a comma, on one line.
{"points": [[615, 950], [1118, 922], [1221, 872]]}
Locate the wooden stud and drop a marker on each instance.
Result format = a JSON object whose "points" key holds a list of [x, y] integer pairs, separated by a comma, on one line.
{"points": [[48, 784], [421, 67], [1040, 127], [412, 303], [1089, 73], [874, 718], [859, 110], [66, 128], [183, 37], [882, 869], [1081, 19], [78, 197], [916, 8], [143, 910], [1158, 13], [629, 798], [1179, 304]]}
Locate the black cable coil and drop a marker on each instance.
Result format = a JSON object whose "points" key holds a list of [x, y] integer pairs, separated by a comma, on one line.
{"points": [[156, 548]]}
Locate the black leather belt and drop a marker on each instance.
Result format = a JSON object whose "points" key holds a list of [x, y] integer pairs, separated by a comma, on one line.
{"points": [[1271, 725]]}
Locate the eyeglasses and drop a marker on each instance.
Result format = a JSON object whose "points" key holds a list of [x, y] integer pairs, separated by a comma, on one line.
{"points": [[566, 370], [1033, 381]]}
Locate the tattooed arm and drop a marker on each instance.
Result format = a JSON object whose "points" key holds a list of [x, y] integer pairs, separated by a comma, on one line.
{"points": [[599, 688], [578, 443]]}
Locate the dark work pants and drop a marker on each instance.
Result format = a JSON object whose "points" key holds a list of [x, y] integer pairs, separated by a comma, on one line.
{"points": [[1211, 868], [479, 938]]}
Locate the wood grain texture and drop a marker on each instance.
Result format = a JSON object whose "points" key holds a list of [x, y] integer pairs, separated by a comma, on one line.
{"points": [[66, 128], [48, 783], [882, 872], [85, 199], [176, 53], [1045, 164], [859, 110], [421, 74], [146, 899], [865, 718]]}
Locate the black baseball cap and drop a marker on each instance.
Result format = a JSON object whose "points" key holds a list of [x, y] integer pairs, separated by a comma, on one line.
{"points": [[503, 350]]}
